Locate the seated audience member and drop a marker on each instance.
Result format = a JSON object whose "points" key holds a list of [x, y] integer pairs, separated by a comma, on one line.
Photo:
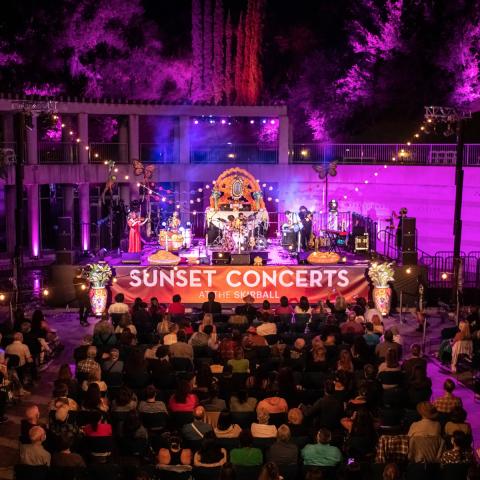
{"points": [[270, 471], [156, 311], [198, 428], [93, 399], [428, 425], [175, 454], [80, 353], [200, 338], [171, 337], [283, 451], [181, 349], [267, 327], [391, 472], [377, 323], [211, 306], [96, 427], [64, 457], [113, 364], [389, 372], [253, 339], [382, 348], [62, 423], [151, 404], [239, 363], [303, 307], [33, 453], [458, 422], [125, 401], [284, 308], [213, 403], [317, 357], [419, 387], [416, 360], [321, 454], [32, 419], [210, 454], [295, 423], [183, 400], [345, 362], [273, 404], [370, 312], [227, 346], [119, 307], [266, 309], [125, 324], [448, 401], [21, 350], [95, 377], [242, 402], [103, 335], [461, 451], [65, 376], [262, 429], [247, 309], [351, 326], [246, 455], [160, 368], [176, 307], [60, 394], [371, 338], [225, 428], [165, 326], [85, 367]]}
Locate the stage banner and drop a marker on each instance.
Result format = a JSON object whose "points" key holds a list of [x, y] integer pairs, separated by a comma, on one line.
{"points": [[231, 284]]}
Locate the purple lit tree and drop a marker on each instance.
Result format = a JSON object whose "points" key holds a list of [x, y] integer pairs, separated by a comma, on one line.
{"points": [[218, 53], [228, 59], [239, 59], [197, 50], [207, 51]]}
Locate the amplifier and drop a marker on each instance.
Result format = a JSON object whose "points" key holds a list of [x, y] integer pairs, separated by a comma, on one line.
{"points": [[131, 258], [240, 259], [220, 258], [361, 243], [409, 258]]}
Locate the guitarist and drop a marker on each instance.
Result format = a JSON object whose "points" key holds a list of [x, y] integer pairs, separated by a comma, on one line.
{"points": [[306, 232]]}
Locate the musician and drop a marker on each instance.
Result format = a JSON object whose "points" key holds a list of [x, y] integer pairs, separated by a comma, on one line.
{"points": [[240, 221], [306, 221], [134, 239], [400, 216], [174, 222]]}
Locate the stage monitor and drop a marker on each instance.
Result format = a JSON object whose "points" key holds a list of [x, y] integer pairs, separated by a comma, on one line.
{"points": [[240, 259], [220, 258], [131, 258]]}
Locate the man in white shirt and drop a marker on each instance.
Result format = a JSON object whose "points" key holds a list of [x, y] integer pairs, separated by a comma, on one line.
{"points": [[267, 328], [117, 309], [262, 429], [171, 338], [17, 347], [370, 312]]}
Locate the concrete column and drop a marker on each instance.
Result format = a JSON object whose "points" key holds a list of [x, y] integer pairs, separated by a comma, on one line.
{"points": [[83, 135], [123, 140], [133, 137], [68, 195], [10, 199], [84, 200], [184, 198], [124, 190], [7, 128], [283, 139], [32, 145], [33, 206], [184, 140]]}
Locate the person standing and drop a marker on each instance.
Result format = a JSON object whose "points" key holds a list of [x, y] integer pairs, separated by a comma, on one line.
{"points": [[306, 221], [80, 284], [134, 238]]}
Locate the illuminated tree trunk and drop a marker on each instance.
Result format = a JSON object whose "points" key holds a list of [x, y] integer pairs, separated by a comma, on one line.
{"points": [[239, 57], [228, 59], [218, 53], [207, 51], [197, 49]]}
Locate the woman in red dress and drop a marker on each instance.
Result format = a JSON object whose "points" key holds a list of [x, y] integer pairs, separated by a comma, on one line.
{"points": [[134, 239]]}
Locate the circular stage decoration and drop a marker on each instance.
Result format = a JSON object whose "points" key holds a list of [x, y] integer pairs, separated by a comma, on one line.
{"points": [[163, 257], [236, 188], [320, 258]]}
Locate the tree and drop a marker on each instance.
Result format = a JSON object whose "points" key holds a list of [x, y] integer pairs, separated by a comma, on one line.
{"points": [[218, 53], [239, 60], [197, 50], [228, 59], [207, 51]]}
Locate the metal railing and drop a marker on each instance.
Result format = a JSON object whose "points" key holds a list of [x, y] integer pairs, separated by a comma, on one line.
{"points": [[57, 152], [159, 152], [100, 152], [234, 153], [376, 153]]}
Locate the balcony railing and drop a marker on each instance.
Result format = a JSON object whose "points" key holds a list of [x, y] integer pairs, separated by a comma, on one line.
{"points": [[376, 153], [234, 153], [57, 152], [159, 152], [100, 152]]}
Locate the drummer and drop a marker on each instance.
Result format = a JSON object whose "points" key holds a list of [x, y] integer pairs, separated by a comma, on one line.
{"points": [[174, 222], [240, 221]]}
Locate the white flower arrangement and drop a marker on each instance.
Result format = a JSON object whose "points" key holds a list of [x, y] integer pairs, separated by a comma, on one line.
{"points": [[381, 274]]}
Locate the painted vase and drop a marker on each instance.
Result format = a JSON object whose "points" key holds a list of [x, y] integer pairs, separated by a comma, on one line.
{"points": [[98, 300], [382, 296]]}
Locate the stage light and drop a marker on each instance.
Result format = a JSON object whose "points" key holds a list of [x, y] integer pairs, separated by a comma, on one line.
{"points": [[96, 155], [83, 287], [207, 187], [422, 128], [63, 125], [344, 259], [269, 199], [87, 147], [191, 202], [78, 140], [114, 280], [416, 135], [366, 181], [220, 255], [115, 170], [408, 270], [385, 166], [264, 121], [195, 122], [70, 132], [164, 199], [303, 153], [2, 297], [194, 212], [223, 122], [178, 206], [55, 117], [231, 155], [270, 188], [272, 122], [429, 120], [409, 143], [138, 184], [164, 224], [46, 292], [105, 162], [356, 189], [375, 174], [126, 177], [252, 122], [200, 190], [344, 197], [199, 200], [444, 276], [214, 182], [277, 200], [264, 185]]}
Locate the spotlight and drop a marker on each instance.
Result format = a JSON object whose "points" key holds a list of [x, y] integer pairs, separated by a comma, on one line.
{"points": [[194, 212], [220, 255], [46, 292], [264, 185], [366, 181], [231, 155], [164, 199], [344, 197], [303, 153], [344, 259], [385, 166], [70, 132], [191, 202], [409, 143], [416, 135], [78, 140], [269, 199], [63, 125], [277, 200], [2, 297], [356, 189], [199, 200], [223, 122], [178, 206], [264, 121]]}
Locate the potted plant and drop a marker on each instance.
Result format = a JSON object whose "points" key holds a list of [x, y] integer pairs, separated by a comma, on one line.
{"points": [[99, 275], [381, 274]]}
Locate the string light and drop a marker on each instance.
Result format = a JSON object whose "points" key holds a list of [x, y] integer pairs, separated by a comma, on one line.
{"points": [[126, 177]]}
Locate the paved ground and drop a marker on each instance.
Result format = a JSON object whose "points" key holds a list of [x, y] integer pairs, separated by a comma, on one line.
{"points": [[71, 334]]}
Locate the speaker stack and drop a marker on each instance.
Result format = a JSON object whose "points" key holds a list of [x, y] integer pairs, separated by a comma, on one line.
{"points": [[408, 246]]}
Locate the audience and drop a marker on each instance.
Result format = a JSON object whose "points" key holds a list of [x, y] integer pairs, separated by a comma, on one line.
{"points": [[34, 453]]}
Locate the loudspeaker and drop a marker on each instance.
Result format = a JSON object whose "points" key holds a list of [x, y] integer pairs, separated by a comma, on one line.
{"points": [[409, 258], [289, 238], [65, 257], [262, 255], [220, 258], [409, 226], [409, 243], [240, 259], [64, 225], [361, 243], [131, 258], [64, 242]]}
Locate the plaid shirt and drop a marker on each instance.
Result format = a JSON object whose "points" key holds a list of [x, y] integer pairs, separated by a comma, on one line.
{"points": [[447, 403], [392, 449], [87, 366]]}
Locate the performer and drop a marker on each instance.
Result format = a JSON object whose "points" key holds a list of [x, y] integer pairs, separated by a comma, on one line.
{"points": [[134, 239], [174, 222], [306, 221], [400, 216], [81, 286]]}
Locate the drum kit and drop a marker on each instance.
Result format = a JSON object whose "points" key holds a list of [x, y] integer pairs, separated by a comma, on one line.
{"points": [[238, 235], [175, 237]]}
